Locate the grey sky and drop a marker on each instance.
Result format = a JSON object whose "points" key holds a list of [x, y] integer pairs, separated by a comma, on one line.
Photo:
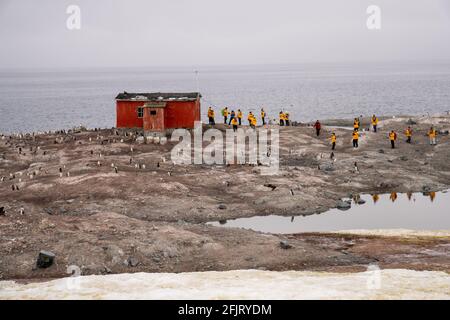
{"points": [[204, 32]]}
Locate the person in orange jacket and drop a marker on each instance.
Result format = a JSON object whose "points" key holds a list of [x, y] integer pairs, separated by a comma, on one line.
{"points": [[355, 138]]}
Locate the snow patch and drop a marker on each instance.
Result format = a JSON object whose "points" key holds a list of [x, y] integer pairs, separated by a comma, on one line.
{"points": [[241, 284], [397, 233]]}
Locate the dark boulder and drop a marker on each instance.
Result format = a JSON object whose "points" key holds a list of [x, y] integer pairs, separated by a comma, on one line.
{"points": [[45, 259], [132, 262]]}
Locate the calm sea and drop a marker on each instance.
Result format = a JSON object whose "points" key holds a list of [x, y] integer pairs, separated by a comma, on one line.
{"points": [[50, 99]]}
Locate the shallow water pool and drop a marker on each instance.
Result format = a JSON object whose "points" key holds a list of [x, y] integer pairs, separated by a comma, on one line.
{"points": [[428, 211]]}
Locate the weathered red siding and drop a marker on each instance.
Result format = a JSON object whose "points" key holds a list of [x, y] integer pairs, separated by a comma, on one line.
{"points": [[182, 114], [127, 114]]}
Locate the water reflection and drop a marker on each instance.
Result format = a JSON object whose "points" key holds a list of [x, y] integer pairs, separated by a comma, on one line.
{"points": [[375, 198], [416, 211], [393, 196], [409, 195], [431, 195]]}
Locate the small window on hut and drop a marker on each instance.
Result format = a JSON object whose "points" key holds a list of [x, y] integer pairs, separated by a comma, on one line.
{"points": [[140, 112], [153, 112]]}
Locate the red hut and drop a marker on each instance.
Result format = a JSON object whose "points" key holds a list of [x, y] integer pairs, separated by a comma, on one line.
{"points": [[157, 111]]}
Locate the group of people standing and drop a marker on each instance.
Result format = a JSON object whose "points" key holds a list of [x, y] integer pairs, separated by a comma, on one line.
{"points": [[235, 118], [432, 133]]}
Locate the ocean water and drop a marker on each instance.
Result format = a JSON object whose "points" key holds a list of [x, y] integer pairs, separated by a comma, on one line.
{"points": [[32, 100]]}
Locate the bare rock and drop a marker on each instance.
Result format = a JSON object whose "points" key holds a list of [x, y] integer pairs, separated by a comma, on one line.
{"points": [[132, 262], [343, 205], [285, 245]]}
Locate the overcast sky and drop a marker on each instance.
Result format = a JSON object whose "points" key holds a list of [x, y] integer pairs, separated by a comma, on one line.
{"points": [[219, 32]]}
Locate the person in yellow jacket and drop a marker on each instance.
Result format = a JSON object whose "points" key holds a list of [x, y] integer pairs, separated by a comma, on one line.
{"points": [[356, 124], [408, 134], [225, 113], [281, 118], [263, 116], [253, 122], [432, 136], [355, 137], [333, 141], [286, 118], [374, 123], [234, 123], [249, 118], [392, 138], [239, 116], [211, 116]]}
